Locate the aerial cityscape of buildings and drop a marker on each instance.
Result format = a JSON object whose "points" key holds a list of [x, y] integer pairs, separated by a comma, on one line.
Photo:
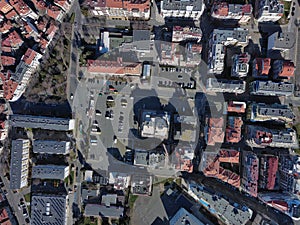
{"points": [[149, 112]]}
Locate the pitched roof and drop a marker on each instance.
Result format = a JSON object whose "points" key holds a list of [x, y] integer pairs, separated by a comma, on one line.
{"points": [[53, 11], [9, 86], [215, 133], [5, 7], [7, 60], [13, 40], [39, 4], [12, 14], [21, 7], [29, 56], [5, 27]]}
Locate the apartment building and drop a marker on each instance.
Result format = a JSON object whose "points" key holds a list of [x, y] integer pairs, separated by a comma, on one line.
{"points": [[280, 44], [225, 86], [19, 163], [120, 10], [261, 68], [260, 112], [262, 137], [49, 209], [289, 173], [271, 88], [268, 10], [283, 69], [51, 147], [250, 171], [24, 71], [223, 10], [118, 67], [240, 66], [42, 122], [49, 171], [217, 42], [185, 9]]}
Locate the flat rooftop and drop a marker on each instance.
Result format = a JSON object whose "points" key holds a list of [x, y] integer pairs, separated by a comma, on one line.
{"points": [[43, 122], [48, 209], [51, 147]]}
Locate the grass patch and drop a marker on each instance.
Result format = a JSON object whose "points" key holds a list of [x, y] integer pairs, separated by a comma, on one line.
{"points": [[85, 12], [131, 200], [88, 221], [72, 18], [27, 197], [71, 177], [287, 6]]}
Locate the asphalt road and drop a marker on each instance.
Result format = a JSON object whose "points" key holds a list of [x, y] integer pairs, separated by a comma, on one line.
{"points": [[14, 200]]}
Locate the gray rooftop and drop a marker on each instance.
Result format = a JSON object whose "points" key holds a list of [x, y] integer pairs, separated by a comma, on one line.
{"points": [[109, 199], [43, 122], [141, 157], [272, 88], [285, 40], [219, 205], [141, 39], [51, 147], [275, 6], [275, 110], [223, 85], [239, 34], [141, 184], [284, 136], [17, 157], [86, 193], [103, 211], [183, 217], [48, 209], [49, 172], [195, 5]]}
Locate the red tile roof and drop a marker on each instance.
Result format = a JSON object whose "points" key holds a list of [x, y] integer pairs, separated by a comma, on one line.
{"points": [[29, 56], [182, 161], [263, 66], [7, 60], [247, 8], [114, 3], [5, 27], [287, 70], [21, 7], [11, 15], [39, 4], [237, 107], [221, 9], [9, 86], [5, 7], [140, 5], [7, 222], [272, 170], [117, 67], [215, 132], [51, 31], [43, 43], [13, 40], [214, 168], [3, 215], [53, 11], [41, 25]]}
